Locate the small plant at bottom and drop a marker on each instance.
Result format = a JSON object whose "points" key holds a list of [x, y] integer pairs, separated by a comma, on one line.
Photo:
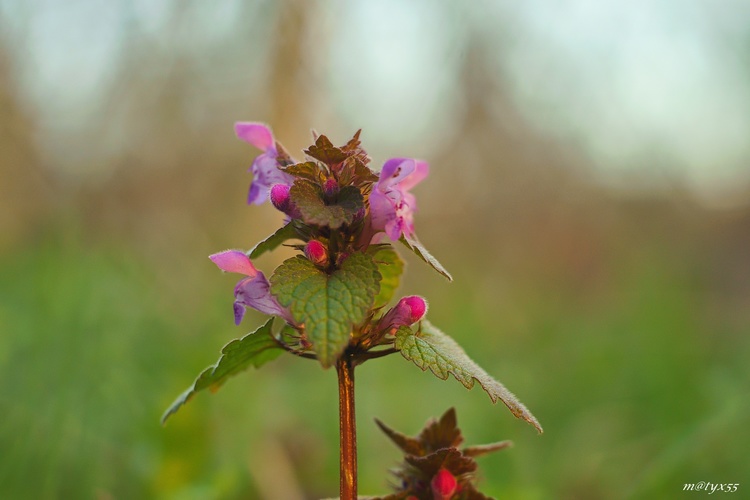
{"points": [[434, 466]]}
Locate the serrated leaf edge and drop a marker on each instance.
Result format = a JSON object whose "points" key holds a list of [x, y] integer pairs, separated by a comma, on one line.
{"points": [[474, 371]]}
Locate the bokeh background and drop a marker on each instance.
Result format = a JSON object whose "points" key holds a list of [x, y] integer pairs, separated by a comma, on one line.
{"points": [[590, 193]]}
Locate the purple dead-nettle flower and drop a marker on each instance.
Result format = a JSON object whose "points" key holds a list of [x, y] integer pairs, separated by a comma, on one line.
{"points": [[265, 167], [392, 206], [408, 311], [252, 291]]}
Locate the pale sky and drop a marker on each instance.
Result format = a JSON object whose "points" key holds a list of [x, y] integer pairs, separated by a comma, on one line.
{"points": [[626, 81]]}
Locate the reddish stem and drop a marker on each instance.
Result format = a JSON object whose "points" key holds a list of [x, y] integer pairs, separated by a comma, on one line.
{"points": [[347, 429]]}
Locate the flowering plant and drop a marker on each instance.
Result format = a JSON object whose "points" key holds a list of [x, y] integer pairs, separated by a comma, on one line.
{"points": [[434, 467], [333, 296]]}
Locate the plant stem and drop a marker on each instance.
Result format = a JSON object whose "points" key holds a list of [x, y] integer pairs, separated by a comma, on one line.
{"points": [[347, 428]]}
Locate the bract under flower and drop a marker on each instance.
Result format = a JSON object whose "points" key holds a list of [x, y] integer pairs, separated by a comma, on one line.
{"points": [[392, 206], [252, 291], [265, 167]]}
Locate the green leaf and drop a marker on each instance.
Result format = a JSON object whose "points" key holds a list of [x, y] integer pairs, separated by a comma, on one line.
{"points": [[308, 198], [254, 349], [431, 348], [328, 305], [283, 234], [390, 267], [415, 246]]}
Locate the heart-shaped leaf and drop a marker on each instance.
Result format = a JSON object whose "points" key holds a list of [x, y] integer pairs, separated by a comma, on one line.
{"points": [[327, 305]]}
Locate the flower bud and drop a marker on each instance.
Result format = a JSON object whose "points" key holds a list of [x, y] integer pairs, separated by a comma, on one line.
{"points": [[444, 485], [330, 187], [408, 311], [317, 253], [280, 197]]}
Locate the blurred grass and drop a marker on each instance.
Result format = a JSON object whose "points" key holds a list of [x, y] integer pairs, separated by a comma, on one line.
{"points": [[634, 392]]}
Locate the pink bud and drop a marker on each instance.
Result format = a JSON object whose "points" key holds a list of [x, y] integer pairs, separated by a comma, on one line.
{"points": [[444, 485], [408, 311], [417, 305], [280, 197], [330, 187], [317, 253]]}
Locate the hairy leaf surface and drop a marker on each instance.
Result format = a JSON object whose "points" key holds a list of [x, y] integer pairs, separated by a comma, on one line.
{"points": [[431, 349], [328, 305]]}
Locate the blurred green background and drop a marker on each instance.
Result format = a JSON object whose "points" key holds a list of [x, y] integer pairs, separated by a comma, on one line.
{"points": [[589, 192]]}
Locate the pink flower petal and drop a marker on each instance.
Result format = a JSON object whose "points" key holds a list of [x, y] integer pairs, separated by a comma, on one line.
{"points": [[257, 134], [234, 261], [421, 170], [394, 171], [255, 292]]}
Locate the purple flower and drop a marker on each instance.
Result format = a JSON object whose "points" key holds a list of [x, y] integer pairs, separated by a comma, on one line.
{"points": [[265, 167], [253, 291], [392, 206]]}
